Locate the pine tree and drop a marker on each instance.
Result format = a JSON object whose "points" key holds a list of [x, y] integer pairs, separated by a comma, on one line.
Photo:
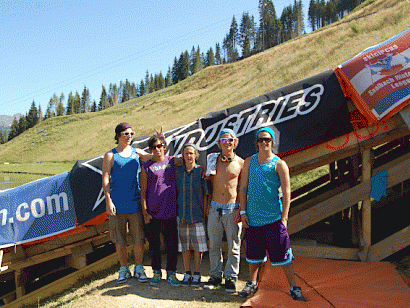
{"points": [[287, 23], [299, 25], [39, 114], [103, 99], [85, 101], [218, 58], [197, 64], [161, 81], [183, 66], [210, 58], [168, 78], [22, 125], [77, 103], [269, 25], [175, 71], [32, 117], [142, 88], [312, 14], [52, 104], [94, 106], [230, 41], [60, 110], [113, 94], [70, 104], [13, 129], [246, 34]]}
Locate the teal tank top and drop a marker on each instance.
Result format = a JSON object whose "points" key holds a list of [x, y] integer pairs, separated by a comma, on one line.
{"points": [[264, 204], [125, 187]]}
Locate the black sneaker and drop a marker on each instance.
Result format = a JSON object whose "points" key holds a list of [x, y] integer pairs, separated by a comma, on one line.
{"points": [[250, 289], [213, 283], [297, 295], [230, 286]]}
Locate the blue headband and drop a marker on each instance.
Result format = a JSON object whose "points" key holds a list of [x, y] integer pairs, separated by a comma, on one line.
{"points": [[268, 130], [227, 131]]}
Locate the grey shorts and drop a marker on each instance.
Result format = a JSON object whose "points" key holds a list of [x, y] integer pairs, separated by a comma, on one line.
{"points": [[118, 229]]}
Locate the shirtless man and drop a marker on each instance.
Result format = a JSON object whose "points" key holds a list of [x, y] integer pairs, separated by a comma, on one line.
{"points": [[225, 171]]}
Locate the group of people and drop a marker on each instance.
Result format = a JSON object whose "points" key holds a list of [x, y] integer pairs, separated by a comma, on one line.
{"points": [[155, 193]]}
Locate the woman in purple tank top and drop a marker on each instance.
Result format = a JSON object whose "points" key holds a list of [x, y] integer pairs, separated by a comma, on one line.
{"points": [[159, 207]]}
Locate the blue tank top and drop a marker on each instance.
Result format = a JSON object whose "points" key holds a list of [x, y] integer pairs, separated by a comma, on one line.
{"points": [[125, 186], [264, 205]]}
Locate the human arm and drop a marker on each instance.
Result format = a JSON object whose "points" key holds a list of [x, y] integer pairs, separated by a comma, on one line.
{"points": [[106, 172], [143, 185], [144, 156], [243, 192], [283, 171]]}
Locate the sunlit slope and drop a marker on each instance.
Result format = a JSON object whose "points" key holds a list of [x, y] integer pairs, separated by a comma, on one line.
{"points": [[76, 137]]}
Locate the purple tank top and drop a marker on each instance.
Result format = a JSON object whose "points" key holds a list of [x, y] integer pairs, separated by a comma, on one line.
{"points": [[161, 188]]}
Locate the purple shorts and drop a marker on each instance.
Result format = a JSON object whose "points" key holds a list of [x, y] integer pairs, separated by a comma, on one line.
{"points": [[274, 239]]}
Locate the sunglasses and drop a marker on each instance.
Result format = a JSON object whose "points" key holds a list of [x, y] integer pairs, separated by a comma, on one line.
{"points": [[225, 140], [260, 140], [127, 133], [158, 146]]}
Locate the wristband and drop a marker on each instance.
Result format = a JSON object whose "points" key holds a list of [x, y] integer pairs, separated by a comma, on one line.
{"points": [[242, 212]]}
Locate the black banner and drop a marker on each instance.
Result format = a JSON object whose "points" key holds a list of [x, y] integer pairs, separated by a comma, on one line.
{"points": [[302, 114]]}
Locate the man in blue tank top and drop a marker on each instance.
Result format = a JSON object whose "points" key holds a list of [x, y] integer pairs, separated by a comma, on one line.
{"points": [[120, 181], [264, 214]]}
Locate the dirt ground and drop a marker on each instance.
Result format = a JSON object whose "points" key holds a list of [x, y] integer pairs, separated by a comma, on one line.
{"points": [[103, 291]]}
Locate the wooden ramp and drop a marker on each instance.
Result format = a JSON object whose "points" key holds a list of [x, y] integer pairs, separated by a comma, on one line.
{"points": [[333, 216]]}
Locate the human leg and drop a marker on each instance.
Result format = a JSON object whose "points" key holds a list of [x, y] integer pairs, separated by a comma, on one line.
{"points": [[117, 226], [280, 253], [255, 256], [233, 237], [198, 260], [153, 229], [215, 234], [171, 243]]}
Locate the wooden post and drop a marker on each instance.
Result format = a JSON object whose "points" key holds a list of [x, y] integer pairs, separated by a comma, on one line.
{"points": [[366, 206], [20, 283]]}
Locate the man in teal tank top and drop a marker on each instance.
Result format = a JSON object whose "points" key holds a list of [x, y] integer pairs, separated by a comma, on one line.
{"points": [[264, 214]]}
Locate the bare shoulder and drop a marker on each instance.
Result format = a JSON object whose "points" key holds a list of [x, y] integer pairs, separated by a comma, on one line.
{"points": [[248, 161], [109, 155], [282, 166], [240, 160]]}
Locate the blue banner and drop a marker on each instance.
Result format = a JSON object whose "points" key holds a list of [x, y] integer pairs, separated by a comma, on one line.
{"points": [[36, 210]]}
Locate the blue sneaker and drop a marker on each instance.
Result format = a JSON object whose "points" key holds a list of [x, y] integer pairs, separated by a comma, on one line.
{"points": [[196, 281], [124, 274], [156, 278], [172, 279], [139, 273], [186, 281]]}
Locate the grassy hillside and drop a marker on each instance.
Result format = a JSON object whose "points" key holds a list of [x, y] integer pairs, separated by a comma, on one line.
{"points": [[75, 137]]}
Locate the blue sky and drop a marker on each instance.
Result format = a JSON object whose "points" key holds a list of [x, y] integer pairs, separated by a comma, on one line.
{"points": [[58, 46]]}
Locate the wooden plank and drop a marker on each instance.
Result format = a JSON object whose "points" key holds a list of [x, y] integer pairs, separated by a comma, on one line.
{"points": [[319, 155], [300, 221], [64, 283], [389, 245], [327, 252], [20, 283], [366, 205], [53, 254], [78, 257]]}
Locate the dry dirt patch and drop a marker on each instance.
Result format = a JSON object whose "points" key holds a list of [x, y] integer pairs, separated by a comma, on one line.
{"points": [[103, 291]]}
